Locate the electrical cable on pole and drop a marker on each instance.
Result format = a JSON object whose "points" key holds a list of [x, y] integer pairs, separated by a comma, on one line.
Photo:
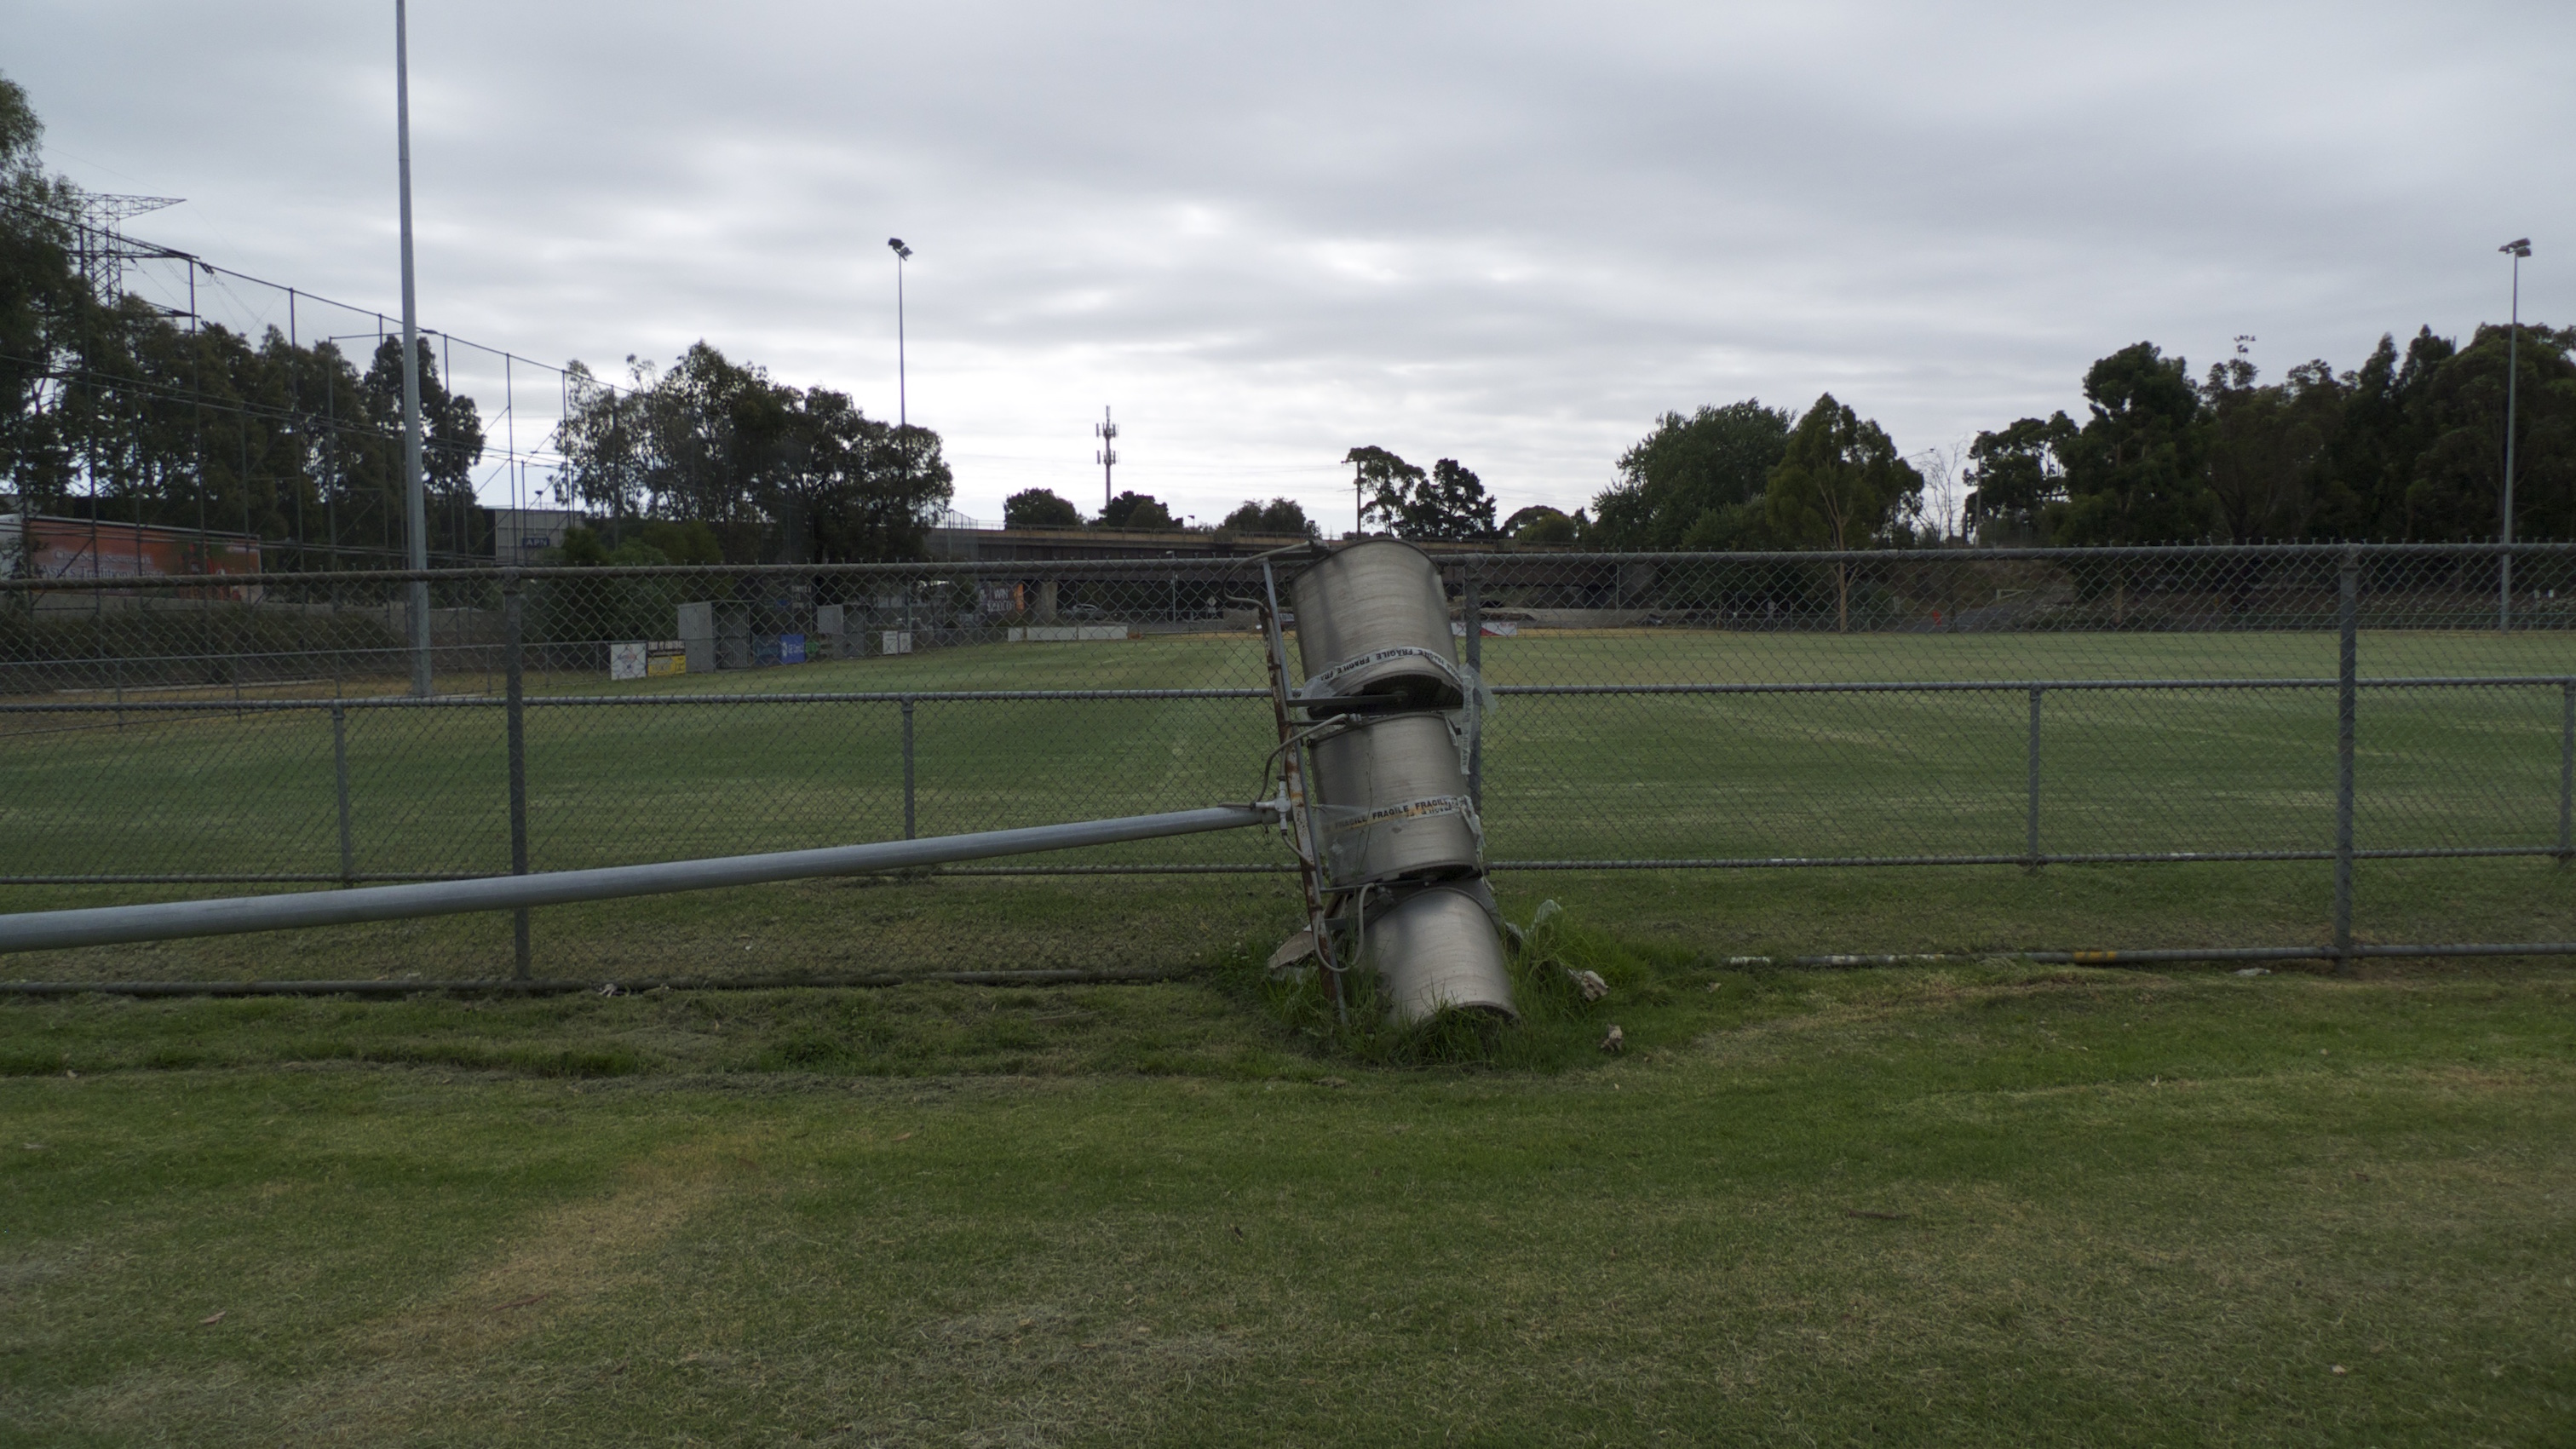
{"points": [[415, 506]]}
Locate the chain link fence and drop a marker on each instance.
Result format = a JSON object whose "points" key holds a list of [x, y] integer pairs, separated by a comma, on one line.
{"points": [[1691, 712]]}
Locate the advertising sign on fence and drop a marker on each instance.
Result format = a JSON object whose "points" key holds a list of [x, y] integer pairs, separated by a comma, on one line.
{"points": [[1069, 633], [626, 659], [94, 551], [666, 656]]}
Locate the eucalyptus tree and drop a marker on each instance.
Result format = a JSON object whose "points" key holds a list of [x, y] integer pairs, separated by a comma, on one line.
{"points": [[1840, 484]]}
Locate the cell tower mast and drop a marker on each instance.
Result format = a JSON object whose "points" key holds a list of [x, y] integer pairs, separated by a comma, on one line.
{"points": [[1107, 432]]}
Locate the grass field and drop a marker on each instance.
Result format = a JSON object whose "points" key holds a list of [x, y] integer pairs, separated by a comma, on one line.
{"points": [[1980, 1206], [1587, 778], [1985, 1205]]}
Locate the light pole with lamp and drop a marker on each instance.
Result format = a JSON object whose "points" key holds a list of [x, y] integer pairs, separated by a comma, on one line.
{"points": [[902, 254], [2517, 249]]}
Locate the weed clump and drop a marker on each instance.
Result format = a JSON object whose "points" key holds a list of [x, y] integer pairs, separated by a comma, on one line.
{"points": [[1561, 1024]]}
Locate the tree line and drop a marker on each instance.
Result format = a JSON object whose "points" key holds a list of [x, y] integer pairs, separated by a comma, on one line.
{"points": [[1144, 513], [2407, 447], [716, 461], [115, 409], [1446, 501]]}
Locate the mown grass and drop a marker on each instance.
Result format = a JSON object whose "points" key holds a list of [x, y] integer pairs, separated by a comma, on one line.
{"points": [[1593, 777], [879, 925], [1613, 777], [1985, 1205]]}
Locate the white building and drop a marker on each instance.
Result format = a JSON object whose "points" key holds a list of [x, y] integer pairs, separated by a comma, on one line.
{"points": [[520, 535]]}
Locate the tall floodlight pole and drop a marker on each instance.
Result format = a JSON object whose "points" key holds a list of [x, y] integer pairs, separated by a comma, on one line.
{"points": [[415, 509], [902, 254], [2517, 249]]}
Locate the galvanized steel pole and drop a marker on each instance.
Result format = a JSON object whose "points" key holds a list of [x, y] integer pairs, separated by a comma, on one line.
{"points": [[2347, 697], [907, 767], [2031, 843], [2517, 249], [415, 510], [2566, 772], [340, 772], [169, 920], [513, 628], [1475, 630]]}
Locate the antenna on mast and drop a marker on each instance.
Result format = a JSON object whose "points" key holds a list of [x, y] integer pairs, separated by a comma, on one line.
{"points": [[1107, 432]]}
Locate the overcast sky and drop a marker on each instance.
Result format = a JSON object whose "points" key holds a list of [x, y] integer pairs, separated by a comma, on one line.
{"points": [[1510, 234]]}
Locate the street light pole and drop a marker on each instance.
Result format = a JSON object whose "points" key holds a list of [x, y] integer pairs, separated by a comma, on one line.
{"points": [[902, 254], [415, 511], [2516, 249]]}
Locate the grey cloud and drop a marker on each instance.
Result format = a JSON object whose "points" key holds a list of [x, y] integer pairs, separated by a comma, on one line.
{"points": [[1511, 234]]}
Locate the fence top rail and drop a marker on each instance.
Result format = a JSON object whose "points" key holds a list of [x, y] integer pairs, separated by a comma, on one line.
{"points": [[558, 701], [1040, 696], [2020, 686], [1159, 568]]}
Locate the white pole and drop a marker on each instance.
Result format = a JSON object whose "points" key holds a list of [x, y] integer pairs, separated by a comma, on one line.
{"points": [[415, 508]]}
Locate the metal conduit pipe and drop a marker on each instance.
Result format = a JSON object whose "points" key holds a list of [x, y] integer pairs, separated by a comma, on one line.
{"points": [[2158, 956], [1058, 976], [161, 921]]}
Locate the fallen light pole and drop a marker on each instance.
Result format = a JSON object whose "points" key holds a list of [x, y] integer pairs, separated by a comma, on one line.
{"points": [[1376, 742], [168, 920]]}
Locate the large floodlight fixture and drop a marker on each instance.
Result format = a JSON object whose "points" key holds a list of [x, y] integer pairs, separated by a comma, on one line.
{"points": [[902, 404], [2517, 249]]}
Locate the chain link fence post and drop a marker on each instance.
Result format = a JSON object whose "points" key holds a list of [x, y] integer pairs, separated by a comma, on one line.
{"points": [[1472, 584], [2030, 846], [2566, 771], [514, 684], [907, 767], [340, 771], [2347, 698]]}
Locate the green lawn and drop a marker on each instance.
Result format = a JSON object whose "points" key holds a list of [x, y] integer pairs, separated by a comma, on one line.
{"points": [[1978, 1206], [1583, 778]]}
